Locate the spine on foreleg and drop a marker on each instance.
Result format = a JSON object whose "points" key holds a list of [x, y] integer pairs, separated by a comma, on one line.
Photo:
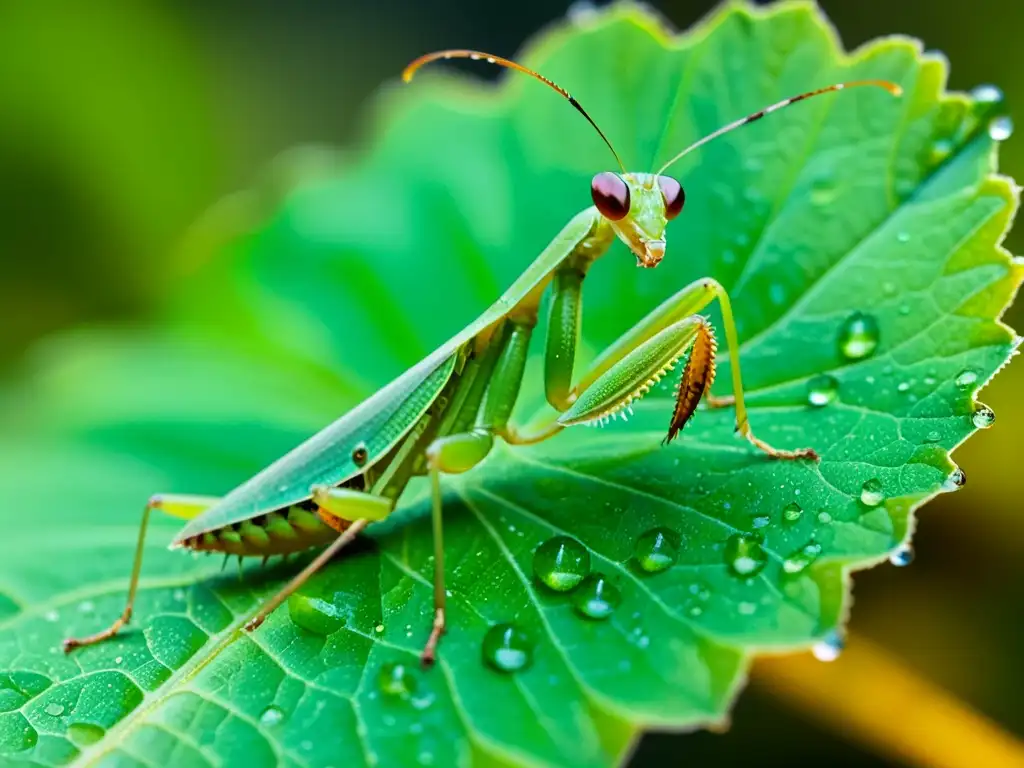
{"points": [[697, 378]]}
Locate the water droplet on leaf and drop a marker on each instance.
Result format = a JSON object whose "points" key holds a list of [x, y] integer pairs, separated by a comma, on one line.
{"points": [[1001, 128], [54, 710], [506, 648], [821, 390], [858, 336], [657, 550], [966, 379], [745, 555], [871, 493], [829, 647], [597, 598], [561, 563], [984, 417], [314, 614], [84, 734], [801, 559], [760, 521], [271, 716], [903, 555], [987, 94], [792, 512], [396, 679], [957, 479]]}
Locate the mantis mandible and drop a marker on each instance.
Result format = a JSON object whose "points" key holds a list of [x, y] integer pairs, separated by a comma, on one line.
{"points": [[443, 415]]}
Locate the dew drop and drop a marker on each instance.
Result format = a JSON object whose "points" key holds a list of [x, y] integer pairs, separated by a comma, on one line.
{"points": [[966, 379], [744, 554], [760, 521], [821, 390], [656, 550], [957, 479], [314, 614], [933, 436], [561, 563], [829, 647], [396, 680], [506, 648], [582, 12], [903, 237], [940, 150], [858, 336], [597, 598], [84, 734], [801, 559], [1000, 128], [54, 709], [746, 609], [51, 615], [901, 556], [984, 417], [823, 190], [987, 94], [792, 512], [871, 493], [271, 716], [903, 387], [824, 517]]}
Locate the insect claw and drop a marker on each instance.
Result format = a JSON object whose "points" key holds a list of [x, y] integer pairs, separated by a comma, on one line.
{"points": [[225, 563], [264, 563]]}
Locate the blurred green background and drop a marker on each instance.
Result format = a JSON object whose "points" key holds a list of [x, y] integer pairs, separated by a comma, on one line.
{"points": [[121, 122]]}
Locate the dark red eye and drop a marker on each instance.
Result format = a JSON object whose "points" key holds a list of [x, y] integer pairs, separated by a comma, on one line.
{"points": [[611, 195], [674, 196]]}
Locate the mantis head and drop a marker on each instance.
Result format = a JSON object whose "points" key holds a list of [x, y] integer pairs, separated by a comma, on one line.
{"points": [[638, 206]]}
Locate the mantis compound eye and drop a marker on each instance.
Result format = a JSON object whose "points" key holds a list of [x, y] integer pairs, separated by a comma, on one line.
{"points": [[672, 192], [611, 195]]}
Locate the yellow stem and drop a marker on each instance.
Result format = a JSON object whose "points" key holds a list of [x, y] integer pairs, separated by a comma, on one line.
{"points": [[868, 696]]}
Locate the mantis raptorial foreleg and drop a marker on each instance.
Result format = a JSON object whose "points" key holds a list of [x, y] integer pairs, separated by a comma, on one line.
{"points": [[609, 364], [180, 506]]}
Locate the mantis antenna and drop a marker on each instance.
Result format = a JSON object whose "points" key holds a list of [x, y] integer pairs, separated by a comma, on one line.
{"points": [[458, 53], [892, 88]]}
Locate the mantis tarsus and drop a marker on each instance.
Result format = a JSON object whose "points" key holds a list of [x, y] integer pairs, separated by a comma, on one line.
{"points": [[443, 415]]}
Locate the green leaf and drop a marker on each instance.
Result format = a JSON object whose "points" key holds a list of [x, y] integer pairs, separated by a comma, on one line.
{"points": [[856, 203]]}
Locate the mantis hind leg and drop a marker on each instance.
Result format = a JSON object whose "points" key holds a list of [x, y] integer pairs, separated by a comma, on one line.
{"points": [[183, 507]]}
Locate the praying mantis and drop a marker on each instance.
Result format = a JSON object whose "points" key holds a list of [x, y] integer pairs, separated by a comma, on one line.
{"points": [[444, 414]]}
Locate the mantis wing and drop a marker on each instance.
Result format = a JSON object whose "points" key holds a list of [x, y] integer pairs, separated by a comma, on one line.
{"points": [[384, 418]]}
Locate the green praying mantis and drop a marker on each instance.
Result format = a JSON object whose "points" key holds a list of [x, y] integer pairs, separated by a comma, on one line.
{"points": [[444, 414]]}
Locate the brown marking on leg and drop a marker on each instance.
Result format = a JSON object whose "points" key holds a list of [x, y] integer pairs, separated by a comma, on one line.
{"points": [[333, 521], [719, 401], [778, 453], [698, 375], [429, 654]]}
